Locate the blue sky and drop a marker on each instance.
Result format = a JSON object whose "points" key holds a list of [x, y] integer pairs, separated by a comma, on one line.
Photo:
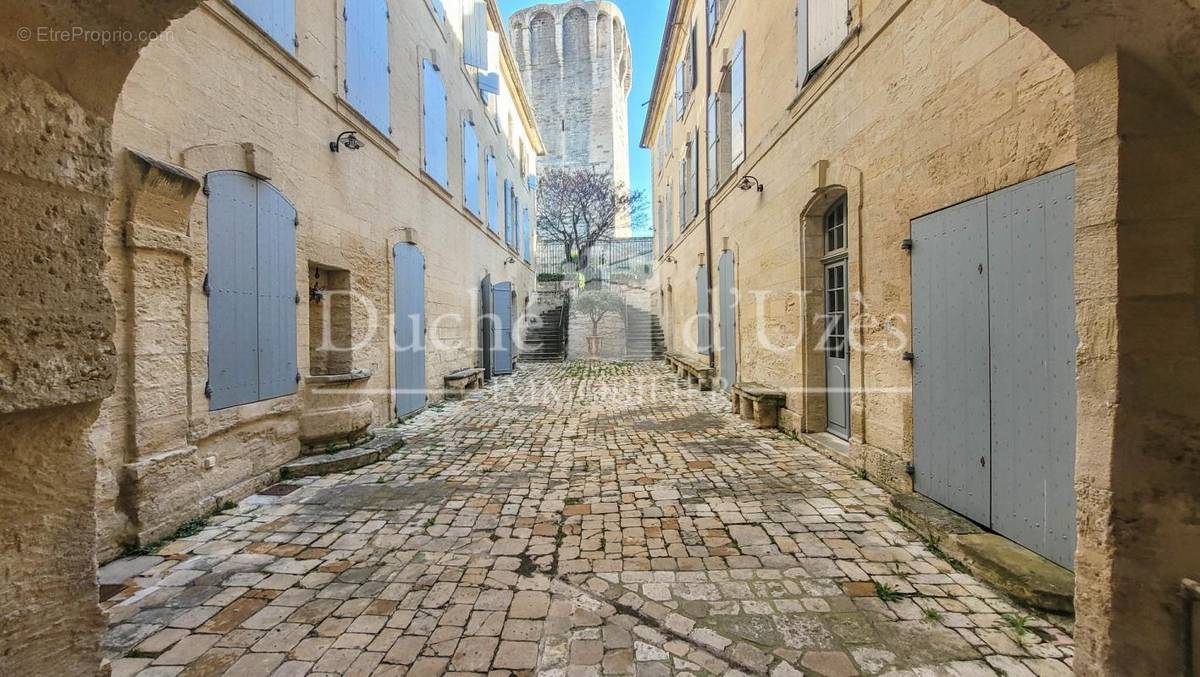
{"points": [[645, 20]]}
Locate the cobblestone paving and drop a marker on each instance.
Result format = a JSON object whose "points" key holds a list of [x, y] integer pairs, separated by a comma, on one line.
{"points": [[580, 520]]}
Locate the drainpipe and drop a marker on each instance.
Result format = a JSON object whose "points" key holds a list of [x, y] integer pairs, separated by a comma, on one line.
{"points": [[708, 202]]}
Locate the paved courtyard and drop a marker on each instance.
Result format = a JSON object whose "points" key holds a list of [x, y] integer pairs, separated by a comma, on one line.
{"points": [[588, 519]]}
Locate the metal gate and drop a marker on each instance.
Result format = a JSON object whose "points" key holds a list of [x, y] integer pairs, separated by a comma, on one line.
{"points": [[727, 299], [994, 375], [837, 353], [409, 346], [502, 327]]}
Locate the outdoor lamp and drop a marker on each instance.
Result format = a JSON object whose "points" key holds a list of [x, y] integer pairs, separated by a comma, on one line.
{"points": [[348, 139], [750, 183]]}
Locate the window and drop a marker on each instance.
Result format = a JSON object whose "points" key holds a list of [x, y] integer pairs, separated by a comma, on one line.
{"points": [[277, 18], [668, 215], [434, 109], [737, 106], [510, 214], [714, 18], [330, 334], [526, 236], [493, 195], [439, 9], [835, 227], [251, 288], [471, 169], [821, 28], [683, 196], [475, 34], [693, 186], [680, 92], [368, 69], [692, 77]]}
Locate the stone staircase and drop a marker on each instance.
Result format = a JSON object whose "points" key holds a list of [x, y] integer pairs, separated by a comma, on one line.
{"points": [[546, 335], [644, 338]]}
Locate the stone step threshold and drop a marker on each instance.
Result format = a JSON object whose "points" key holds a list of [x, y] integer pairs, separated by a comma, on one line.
{"points": [[326, 464], [1017, 571]]}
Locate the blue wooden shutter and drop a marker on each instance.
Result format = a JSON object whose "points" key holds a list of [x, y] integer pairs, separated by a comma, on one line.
{"points": [[713, 18], [471, 168], [738, 105], [436, 141], [409, 329], [694, 173], [683, 196], [669, 214], [802, 41], [439, 9], [680, 70], [277, 18], [526, 236], [702, 327], [368, 63], [475, 30], [493, 195], [276, 294], [508, 212], [714, 138], [233, 289]]}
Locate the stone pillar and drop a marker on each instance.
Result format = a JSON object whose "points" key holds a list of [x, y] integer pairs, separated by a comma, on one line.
{"points": [[1138, 291], [56, 323], [158, 243]]}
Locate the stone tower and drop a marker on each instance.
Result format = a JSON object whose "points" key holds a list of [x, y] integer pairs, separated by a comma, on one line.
{"points": [[576, 62]]}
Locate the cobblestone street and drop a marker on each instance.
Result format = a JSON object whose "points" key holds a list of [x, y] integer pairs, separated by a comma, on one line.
{"points": [[584, 519]]}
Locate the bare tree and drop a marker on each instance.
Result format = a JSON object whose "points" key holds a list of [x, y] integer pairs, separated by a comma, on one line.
{"points": [[580, 208]]}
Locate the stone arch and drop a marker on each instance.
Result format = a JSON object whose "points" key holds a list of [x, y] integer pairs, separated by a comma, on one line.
{"points": [[577, 38], [543, 39]]}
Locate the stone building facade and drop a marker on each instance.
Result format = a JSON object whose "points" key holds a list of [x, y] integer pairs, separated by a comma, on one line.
{"points": [[438, 196], [577, 64], [825, 174]]}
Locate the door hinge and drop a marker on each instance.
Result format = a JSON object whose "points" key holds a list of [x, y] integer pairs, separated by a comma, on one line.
{"points": [[206, 190], [297, 298], [296, 40], [296, 223], [906, 244], [298, 378], [910, 469], [345, 14], [207, 286], [909, 357], [346, 85], [208, 391]]}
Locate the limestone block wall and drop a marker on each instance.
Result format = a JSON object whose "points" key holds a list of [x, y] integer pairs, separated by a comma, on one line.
{"points": [[576, 62], [927, 105], [219, 95]]}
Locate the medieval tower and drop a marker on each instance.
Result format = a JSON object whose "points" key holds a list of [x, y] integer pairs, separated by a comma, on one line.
{"points": [[576, 62]]}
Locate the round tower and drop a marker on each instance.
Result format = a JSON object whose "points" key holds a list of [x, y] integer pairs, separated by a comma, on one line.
{"points": [[577, 64]]}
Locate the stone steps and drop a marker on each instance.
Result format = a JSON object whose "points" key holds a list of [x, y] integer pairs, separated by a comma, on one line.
{"points": [[326, 464]]}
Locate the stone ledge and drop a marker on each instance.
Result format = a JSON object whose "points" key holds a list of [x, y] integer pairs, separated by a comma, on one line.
{"points": [[326, 464], [1011, 568]]}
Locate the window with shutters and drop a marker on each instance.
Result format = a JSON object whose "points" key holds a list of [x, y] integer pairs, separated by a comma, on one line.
{"points": [[475, 34], [683, 196], [821, 28], [720, 133], [493, 195], [368, 62], [714, 18], [434, 112], [509, 213], [471, 176], [693, 159], [737, 104], [691, 61], [669, 215], [438, 9], [276, 18], [680, 91], [252, 291]]}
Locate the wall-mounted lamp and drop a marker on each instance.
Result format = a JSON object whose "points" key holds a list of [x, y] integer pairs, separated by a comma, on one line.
{"points": [[511, 259], [315, 293], [750, 183], [669, 259], [347, 139]]}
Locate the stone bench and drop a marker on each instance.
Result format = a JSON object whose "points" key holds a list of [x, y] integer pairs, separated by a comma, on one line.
{"points": [[758, 403], [459, 382], [698, 374]]}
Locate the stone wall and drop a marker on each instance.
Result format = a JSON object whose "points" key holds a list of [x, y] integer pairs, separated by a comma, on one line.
{"points": [[186, 111], [927, 105], [576, 61]]}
